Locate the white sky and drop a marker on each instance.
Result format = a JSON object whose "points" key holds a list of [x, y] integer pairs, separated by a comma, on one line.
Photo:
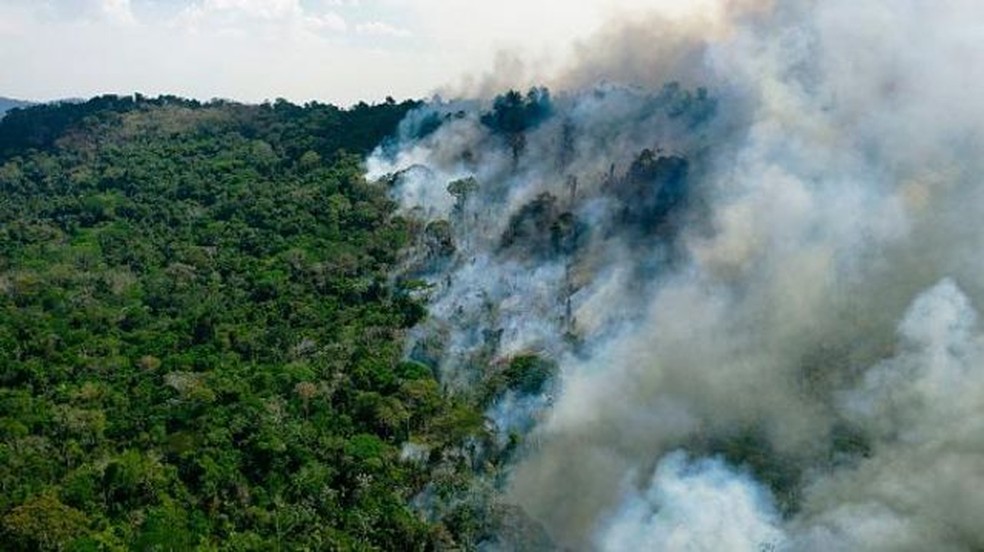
{"points": [[250, 50]]}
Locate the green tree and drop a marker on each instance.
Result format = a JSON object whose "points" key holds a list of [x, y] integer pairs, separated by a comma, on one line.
{"points": [[44, 523]]}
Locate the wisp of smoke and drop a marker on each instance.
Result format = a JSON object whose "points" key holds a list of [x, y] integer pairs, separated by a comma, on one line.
{"points": [[748, 242]]}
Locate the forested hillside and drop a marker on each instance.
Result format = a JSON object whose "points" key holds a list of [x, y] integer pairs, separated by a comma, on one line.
{"points": [[200, 345], [6, 104]]}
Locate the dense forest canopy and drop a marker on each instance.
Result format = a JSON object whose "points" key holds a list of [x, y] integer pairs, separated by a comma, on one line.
{"points": [[200, 343]]}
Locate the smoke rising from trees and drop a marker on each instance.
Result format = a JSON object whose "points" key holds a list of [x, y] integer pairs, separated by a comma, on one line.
{"points": [[748, 243]]}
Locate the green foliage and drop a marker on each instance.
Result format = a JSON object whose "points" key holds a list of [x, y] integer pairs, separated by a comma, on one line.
{"points": [[513, 113], [44, 523], [526, 374], [199, 344], [652, 190]]}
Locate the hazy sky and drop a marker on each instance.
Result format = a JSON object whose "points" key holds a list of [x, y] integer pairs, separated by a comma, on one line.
{"points": [[251, 50]]}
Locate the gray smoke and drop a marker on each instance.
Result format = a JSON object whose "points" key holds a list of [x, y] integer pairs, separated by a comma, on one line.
{"points": [[758, 284]]}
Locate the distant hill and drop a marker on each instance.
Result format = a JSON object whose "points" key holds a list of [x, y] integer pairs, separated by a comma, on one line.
{"points": [[6, 104]]}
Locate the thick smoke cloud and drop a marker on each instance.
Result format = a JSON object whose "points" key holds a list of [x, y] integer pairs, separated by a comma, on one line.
{"points": [[777, 276]]}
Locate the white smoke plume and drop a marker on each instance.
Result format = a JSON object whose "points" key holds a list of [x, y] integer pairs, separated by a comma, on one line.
{"points": [[772, 266], [699, 506]]}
